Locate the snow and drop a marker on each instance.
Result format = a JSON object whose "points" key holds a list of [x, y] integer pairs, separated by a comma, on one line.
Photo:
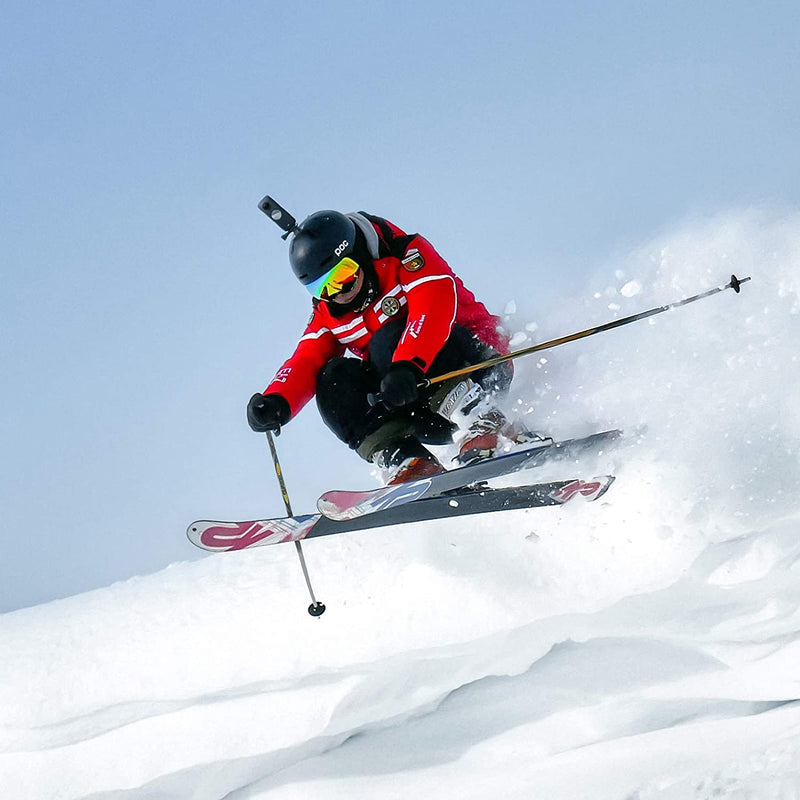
{"points": [[631, 289], [643, 647]]}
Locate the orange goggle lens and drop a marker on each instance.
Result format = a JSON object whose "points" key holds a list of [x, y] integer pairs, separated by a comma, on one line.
{"points": [[333, 281]]}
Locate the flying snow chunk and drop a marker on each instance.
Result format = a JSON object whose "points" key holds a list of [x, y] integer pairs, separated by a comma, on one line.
{"points": [[631, 289], [511, 307]]}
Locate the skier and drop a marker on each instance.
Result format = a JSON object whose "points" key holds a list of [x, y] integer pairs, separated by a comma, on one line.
{"points": [[391, 300]]}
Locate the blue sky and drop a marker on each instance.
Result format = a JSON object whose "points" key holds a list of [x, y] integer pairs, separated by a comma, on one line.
{"points": [[145, 298]]}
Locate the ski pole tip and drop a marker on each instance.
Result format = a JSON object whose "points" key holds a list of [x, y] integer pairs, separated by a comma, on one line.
{"points": [[736, 283], [316, 609]]}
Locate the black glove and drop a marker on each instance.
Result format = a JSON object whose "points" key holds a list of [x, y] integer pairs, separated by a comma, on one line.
{"points": [[399, 385], [267, 412]]}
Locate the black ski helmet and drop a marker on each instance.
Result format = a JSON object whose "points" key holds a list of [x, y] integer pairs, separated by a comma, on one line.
{"points": [[321, 241]]}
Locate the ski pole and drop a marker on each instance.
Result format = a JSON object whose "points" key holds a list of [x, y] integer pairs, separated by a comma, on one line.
{"points": [[734, 283], [316, 609]]}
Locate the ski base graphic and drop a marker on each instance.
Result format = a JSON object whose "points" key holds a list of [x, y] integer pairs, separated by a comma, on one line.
{"points": [[219, 536]]}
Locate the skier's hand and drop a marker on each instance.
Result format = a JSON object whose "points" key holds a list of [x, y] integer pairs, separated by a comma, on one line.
{"points": [[399, 385], [267, 412]]}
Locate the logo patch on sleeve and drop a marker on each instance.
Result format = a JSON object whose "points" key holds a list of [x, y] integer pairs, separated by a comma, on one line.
{"points": [[414, 261]]}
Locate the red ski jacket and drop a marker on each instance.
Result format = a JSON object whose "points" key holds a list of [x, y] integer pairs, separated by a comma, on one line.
{"points": [[415, 283]]}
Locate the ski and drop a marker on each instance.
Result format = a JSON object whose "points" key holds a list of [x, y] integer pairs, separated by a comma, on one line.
{"points": [[344, 505], [217, 536]]}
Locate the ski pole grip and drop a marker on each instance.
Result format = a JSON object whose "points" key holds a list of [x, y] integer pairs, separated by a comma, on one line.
{"points": [[376, 398]]}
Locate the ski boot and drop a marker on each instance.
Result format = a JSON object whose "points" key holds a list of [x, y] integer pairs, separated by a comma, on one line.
{"points": [[487, 432], [407, 461], [482, 425]]}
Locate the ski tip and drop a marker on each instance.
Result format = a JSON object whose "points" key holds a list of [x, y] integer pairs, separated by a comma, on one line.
{"points": [[219, 537], [589, 491], [196, 531], [343, 505]]}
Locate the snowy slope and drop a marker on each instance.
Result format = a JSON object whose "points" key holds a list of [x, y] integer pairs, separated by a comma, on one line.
{"points": [[644, 646]]}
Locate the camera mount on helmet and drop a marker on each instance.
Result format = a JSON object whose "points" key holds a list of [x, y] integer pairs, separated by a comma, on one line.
{"points": [[279, 215]]}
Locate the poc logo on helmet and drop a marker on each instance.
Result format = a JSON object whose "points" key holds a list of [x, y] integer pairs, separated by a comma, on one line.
{"points": [[342, 247]]}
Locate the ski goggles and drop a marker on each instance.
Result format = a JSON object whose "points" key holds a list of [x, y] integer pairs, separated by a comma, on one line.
{"points": [[335, 280]]}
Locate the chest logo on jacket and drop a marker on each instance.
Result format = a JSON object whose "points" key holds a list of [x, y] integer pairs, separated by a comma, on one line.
{"points": [[390, 306]]}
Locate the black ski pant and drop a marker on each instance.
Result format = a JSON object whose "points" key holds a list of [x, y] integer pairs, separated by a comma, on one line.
{"points": [[343, 385]]}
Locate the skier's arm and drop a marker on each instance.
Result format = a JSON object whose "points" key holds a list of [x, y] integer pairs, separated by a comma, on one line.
{"points": [[430, 288], [296, 380]]}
